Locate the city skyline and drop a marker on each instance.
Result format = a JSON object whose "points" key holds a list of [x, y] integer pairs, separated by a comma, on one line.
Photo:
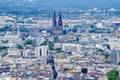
{"points": [[59, 40]]}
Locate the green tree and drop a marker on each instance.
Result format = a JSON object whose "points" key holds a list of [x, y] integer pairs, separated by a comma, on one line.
{"points": [[74, 30], [19, 46], [70, 53], [51, 46], [113, 74], [59, 50], [69, 68], [44, 43], [40, 30], [3, 47], [49, 43], [119, 63], [28, 42], [107, 55], [4, 41]]}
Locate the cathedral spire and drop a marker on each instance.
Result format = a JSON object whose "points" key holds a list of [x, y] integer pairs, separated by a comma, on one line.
{"points": [[60, 23], [54, 20]]}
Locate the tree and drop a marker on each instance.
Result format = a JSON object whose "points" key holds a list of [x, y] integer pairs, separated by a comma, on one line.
{"points": [[40, 30], [49, 43], [70, 53], [107, 55], [28, 42], [119, 63], [51, 46], [19, 46], [74, 30], [4, 41], [44, 43], [112, 78], [59, 50], [3, 47], [69, 68], [113, 74]]}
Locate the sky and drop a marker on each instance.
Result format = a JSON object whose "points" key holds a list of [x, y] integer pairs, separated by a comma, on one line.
{"points": [[84, 3], [68, 3]]}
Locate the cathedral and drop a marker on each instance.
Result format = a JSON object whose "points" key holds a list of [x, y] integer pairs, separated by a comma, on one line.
{"points": [[57, 27]]}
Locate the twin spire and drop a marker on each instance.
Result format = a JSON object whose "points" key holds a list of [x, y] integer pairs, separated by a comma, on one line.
{"points": [[60, 23]]}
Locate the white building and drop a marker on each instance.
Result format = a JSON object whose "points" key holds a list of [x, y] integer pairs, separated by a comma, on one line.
{"points": [[70, 47], [41, 51], [57, 45], [12, 38], [26, 52], [14, 52]]}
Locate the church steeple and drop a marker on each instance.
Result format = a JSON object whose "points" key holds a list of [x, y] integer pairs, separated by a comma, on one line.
{"points": [[54, 20], [60, 23], [57, 28]]}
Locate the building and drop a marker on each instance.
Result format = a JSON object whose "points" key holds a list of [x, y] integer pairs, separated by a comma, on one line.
{"points": [[14, 52], [114, 57], [57, 29], [41, 51], [70, 47], [27, 52]]}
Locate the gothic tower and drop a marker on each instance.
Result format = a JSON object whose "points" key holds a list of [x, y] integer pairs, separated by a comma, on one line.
{"points": [[54, 20], [60, 23], [57, 29]]}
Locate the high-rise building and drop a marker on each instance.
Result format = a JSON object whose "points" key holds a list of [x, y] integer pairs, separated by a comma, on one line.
{"points": [[114, 57], [41, 51], [57, 29]]}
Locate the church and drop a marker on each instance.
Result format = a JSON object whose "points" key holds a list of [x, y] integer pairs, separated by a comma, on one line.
{"points": [[57, 27]]}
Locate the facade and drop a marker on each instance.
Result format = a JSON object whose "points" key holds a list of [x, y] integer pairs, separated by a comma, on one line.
{"points": [[14, 52], [57, 29], [70, 47], [114, 57], [26, 52], [41, 51]]}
